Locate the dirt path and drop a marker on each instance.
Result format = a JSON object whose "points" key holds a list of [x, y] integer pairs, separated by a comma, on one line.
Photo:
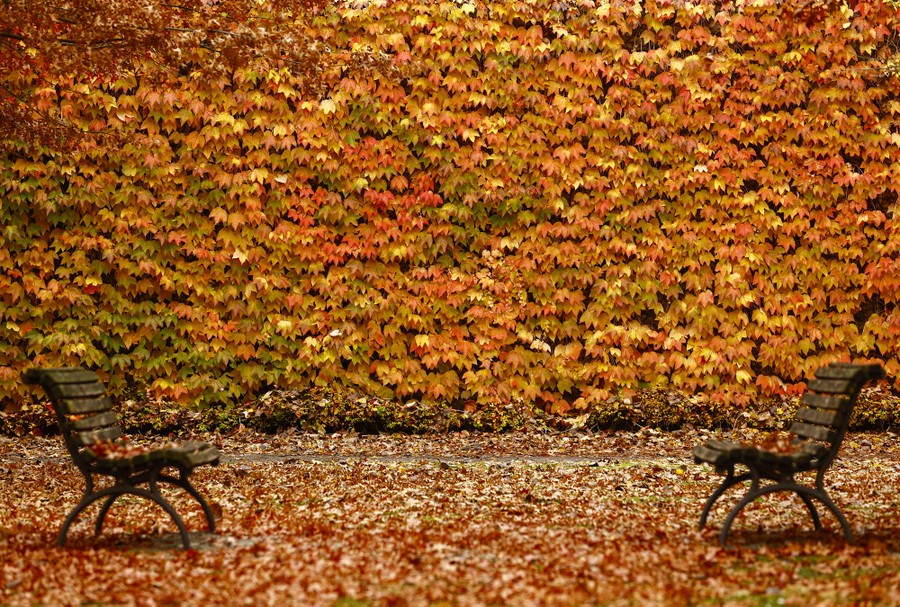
{"points": [[459, 448]]}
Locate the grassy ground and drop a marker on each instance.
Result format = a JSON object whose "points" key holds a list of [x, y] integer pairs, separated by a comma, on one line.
{"points": [[512, 519]]}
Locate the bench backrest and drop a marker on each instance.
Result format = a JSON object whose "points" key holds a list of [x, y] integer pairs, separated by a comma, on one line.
{"points": [[825, 408], [82, 408]]}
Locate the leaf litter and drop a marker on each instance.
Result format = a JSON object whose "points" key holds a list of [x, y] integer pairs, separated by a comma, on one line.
{"points": [[456, 519]]}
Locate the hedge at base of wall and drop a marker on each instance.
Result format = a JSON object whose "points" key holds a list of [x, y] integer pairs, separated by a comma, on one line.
{"points": [[327, 411]]}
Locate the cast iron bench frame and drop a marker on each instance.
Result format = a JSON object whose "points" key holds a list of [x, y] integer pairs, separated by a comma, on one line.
{"points": [[820, 426], [83, 412]]}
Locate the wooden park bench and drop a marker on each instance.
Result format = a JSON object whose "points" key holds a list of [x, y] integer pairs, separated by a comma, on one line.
{"points": [[814, 440], [98, 447]]}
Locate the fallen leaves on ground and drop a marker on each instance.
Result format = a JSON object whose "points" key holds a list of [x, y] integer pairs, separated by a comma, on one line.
{"points": [[517, 519]]}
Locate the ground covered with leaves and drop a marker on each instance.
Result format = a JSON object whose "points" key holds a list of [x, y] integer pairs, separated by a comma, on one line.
{"points": [[522, 518]]}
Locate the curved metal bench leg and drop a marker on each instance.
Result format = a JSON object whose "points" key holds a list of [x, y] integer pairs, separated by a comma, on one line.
{"points": [[185, 484], [817, 523], [86, 501], [154, 494], [98, 525], [729, 481], [185, 539], [210, 519], [805, 494], [112, 494], [752, 494], [823, 497]]}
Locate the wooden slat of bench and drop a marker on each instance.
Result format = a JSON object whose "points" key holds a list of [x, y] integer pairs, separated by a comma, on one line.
{"points": [[833, 386], [77, 390], [824, 401], [132, 463], [80, 406], [819, 417], [861, 372], [94, 421], [841, 372], [794, 461], [190, 455], [820, 433], [719, 453], [90, 437], [61, 375]]}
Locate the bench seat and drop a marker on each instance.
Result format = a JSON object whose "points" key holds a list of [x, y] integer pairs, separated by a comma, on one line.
{"points": [[188, 455], [721, 454]]}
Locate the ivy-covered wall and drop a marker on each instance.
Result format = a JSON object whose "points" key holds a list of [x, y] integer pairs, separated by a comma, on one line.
{"points": [[535, 200]]}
